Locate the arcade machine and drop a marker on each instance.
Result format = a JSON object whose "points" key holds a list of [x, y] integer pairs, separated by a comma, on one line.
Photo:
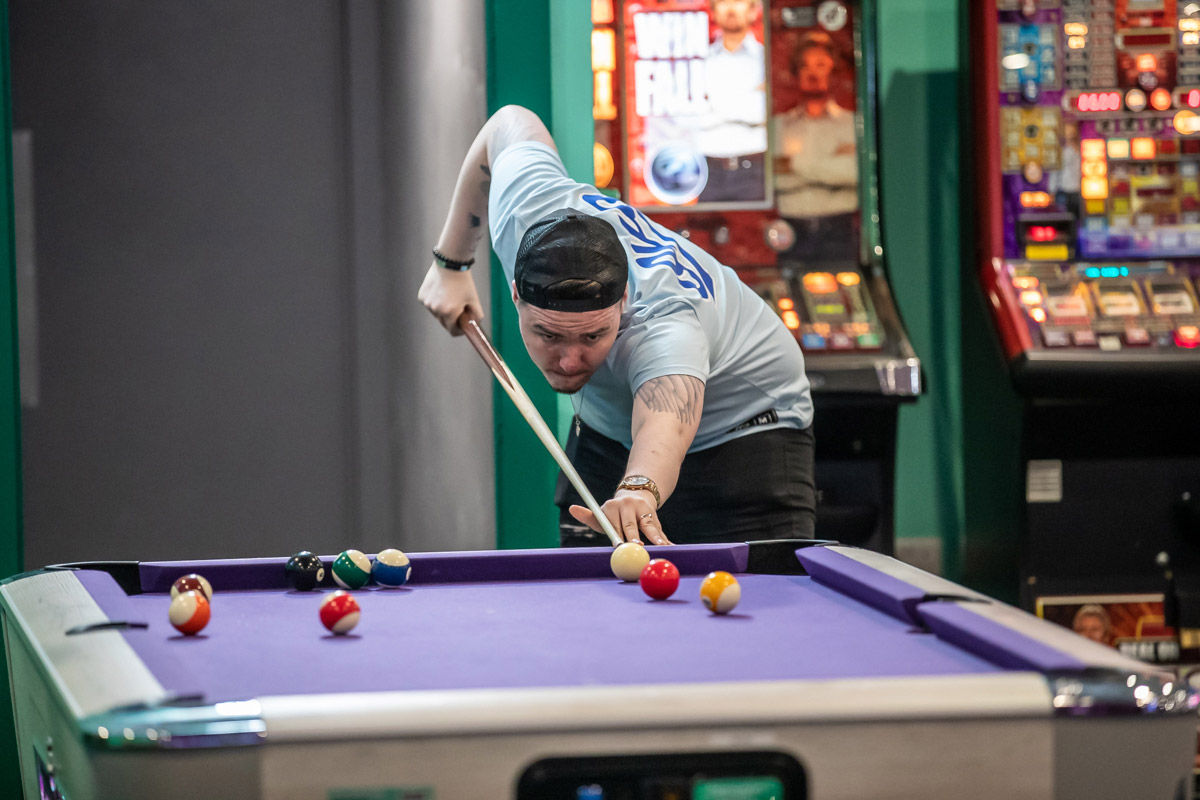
{"points": [[1088, 158], [750, 128]]}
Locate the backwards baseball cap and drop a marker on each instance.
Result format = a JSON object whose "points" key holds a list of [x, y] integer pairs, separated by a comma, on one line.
{"points": [[571, 261]]}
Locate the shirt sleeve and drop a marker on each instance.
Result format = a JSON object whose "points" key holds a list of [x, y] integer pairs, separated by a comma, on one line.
{"points": [[528, 182], [665, 342]]}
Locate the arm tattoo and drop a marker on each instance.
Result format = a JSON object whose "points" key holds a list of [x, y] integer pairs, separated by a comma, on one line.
{"points": [[475, 220], [486, 186], [680, 395]]}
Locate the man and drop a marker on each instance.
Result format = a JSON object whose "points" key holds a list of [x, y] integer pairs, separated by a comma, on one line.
{"points": [[816, 171], [1093, 622], [733, 136], [665, 352]]}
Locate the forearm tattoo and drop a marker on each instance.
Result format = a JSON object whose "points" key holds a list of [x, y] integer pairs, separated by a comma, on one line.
{"points": [[486, 185], [679, 395]]}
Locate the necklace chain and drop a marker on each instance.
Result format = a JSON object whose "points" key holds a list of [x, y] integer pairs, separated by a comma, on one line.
{"points": [[579, 413]]}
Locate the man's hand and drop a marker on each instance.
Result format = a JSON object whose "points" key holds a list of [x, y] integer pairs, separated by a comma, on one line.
{"points": [[666, 412], [632, 514], [446, 294]]}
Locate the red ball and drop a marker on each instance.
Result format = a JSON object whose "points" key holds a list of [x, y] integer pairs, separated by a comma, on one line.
{"points": [[339, 612], [660, 579], [192, 583]]}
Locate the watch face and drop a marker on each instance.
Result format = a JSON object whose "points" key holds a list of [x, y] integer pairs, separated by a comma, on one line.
{"points": [[637, 481]]}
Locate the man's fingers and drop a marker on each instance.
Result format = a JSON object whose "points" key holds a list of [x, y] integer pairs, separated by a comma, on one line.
{"points": [[584, 516], [446, 296], [649, 524], [623, 521], [452, 323]]}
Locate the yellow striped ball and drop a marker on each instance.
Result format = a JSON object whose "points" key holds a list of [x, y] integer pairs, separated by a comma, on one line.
{"points": [[720, 592]]}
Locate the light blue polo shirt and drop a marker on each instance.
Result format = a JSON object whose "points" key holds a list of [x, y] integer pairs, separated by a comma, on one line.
{"points": [[687, 313]]}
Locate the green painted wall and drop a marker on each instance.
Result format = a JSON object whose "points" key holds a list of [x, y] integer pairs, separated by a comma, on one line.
{"points": [[919, 74], [10, 436], [538, 57], [958, 465]]}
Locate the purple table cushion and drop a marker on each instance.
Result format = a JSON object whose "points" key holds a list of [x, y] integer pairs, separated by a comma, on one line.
{"points": [[953, 622], [958, 624], [866, 584], [455, 567]]}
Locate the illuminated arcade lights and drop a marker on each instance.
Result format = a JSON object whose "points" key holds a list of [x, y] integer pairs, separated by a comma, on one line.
{"points": [[1093, 155], [1106, 272]]}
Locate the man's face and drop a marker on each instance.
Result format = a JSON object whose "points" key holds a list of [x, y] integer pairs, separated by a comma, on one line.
{"points": [[567, 346], [734, 16], [816, 66], [1092, 627]]}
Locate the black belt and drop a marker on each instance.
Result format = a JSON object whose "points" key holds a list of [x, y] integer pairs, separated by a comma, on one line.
{"points": [[765, 418]]}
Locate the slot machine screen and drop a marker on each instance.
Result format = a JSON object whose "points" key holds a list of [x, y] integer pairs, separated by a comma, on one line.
{"points": [[695, 105]]}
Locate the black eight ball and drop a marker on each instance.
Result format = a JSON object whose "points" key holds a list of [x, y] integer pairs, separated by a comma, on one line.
{"points": [[304, 571]]}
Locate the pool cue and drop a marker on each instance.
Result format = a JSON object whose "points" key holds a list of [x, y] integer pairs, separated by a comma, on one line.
{"points": [[470, 326]]}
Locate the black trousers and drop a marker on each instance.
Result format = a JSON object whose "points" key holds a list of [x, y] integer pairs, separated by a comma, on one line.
{"points": [[758, 486]]}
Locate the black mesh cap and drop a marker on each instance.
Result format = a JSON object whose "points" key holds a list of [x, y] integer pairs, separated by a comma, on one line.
{"points": [[571, 261]]}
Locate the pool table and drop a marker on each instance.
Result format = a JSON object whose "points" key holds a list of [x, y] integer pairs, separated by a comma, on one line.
{"points": [[842, 673]]}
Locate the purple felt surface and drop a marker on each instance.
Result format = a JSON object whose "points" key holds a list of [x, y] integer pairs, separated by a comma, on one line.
{"points": [[866, 584], [457, 567], [957, 624], [538, 633]]}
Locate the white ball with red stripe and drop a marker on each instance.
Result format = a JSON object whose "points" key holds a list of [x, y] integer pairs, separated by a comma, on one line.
{"points": [[189, 612], [339, 612]]}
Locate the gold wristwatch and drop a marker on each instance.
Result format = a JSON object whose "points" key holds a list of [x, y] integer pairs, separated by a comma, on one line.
{"points": [[641, 482]]}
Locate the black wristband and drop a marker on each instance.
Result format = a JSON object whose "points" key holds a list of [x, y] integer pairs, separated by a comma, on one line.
{"points": [[450, 263]]}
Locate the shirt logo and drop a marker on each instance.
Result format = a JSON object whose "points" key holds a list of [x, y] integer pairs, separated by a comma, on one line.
{"points": [[651, 250]]}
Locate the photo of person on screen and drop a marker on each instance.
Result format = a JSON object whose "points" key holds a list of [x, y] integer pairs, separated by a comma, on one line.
{"points": [[816, 157], [733, 135], [1092, 621]]}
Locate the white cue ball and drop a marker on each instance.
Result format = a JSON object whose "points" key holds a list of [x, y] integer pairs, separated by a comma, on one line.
{"points": [[627, 561]]}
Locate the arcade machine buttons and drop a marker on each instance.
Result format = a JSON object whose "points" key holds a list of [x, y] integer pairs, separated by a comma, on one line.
{"points": [[1055, 337], [840, 341], [1137, 337], [1187, 336], [1084, 338]]}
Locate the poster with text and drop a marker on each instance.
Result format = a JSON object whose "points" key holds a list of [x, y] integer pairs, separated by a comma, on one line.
{"points": [[696, 104]]}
